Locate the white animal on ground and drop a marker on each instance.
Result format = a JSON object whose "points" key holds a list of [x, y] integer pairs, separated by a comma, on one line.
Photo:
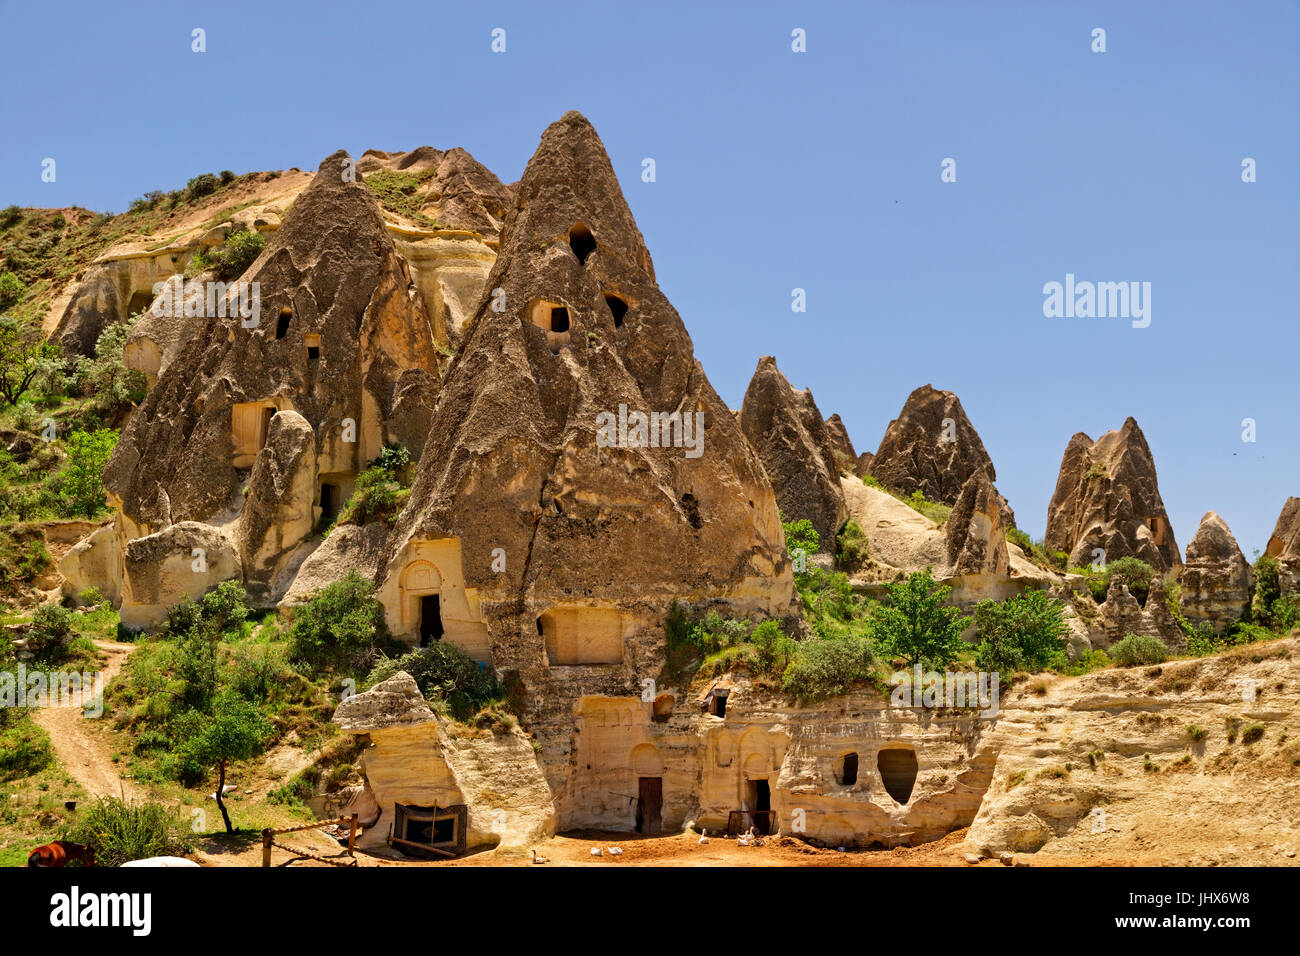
{"points": [[597, 851], [616, 851], [539, 859]]}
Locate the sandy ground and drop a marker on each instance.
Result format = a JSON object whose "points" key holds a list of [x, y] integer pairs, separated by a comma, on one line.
{"points": [[78, 746]]}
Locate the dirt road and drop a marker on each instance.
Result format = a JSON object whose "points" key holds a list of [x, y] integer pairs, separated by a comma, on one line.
{"points": [[77, 743]]}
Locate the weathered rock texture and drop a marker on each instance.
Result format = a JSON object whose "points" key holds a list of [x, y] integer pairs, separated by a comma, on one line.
{"points": [[1216, 584], [415, 758], [932, 447], [976, 540], [786, 429], [845, 457], [279, 404], [1107, 497], [1284, 545], [551, 553], [1102, 768]]}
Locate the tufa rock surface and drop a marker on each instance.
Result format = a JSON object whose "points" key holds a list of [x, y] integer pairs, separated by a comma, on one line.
{"points": [[786, 429], [973, 533], [557, 541], [845, 457], [1216, 584], [340, 341], [932, 447], [1107, 497], [1284, 545]]}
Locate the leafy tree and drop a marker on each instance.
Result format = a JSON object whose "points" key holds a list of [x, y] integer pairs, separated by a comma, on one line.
{"points": [[11, 290], [51, 632], [395, 459], [773, 649], [82, 481], [21, 354], [339, 625], [106, 376], [234, 731], [1026, 632], [198, 628], [914, 622]]}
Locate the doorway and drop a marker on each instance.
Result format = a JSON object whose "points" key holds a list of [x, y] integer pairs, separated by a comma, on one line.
{"points": [[649, 805], [329, 502], [760, 801], [430, 619]]}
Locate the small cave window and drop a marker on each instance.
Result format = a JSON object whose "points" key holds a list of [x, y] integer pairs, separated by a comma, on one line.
{"points": [[539, 627], [617, 308], [897, 772], [559, 319], [846, 770], [718, 703], [582, 242], [312, 341], [282, 323]]}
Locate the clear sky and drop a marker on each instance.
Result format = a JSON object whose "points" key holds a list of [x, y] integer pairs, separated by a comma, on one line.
{"points": [[819, 170]]}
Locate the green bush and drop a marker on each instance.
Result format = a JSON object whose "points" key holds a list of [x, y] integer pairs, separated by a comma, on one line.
{"points": [[446, 674], [851, 547], [240, 250], [51, 633], [1025, 632], [378, 496], [201, 185], [828, 667], [339, 626], [24, 747], [12, 289], [1136, 649], [121, 831], [197, 629], [801, 536], [395, 459], [914, 622], [10, 216]]}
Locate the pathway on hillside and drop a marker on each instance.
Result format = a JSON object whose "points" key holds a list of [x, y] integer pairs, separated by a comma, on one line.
{"points": [[79, 747]]}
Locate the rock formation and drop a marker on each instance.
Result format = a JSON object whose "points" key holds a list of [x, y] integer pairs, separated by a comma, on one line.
{"points": [[1284, 545], [933, 448], [1107, 498], [786, 429], [265, 416], [1216, 584], [580, 474], [845, 456], [412, 761], [973, 533]]}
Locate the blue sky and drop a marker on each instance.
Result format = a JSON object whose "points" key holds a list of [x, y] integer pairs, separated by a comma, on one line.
{"points": [[819, 170]]}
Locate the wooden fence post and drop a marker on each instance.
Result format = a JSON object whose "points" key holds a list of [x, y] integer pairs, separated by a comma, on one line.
{"points": [[352, 835], [266, 846]]}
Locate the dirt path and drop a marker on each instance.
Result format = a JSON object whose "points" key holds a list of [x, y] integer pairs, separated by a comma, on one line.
{"points": [[77, 744]]}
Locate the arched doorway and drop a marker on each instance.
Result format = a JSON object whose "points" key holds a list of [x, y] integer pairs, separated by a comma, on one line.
{"points": [[422, 602]]}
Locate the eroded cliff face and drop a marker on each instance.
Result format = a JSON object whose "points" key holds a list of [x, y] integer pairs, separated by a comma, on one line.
{"points": [[1189, 763]]}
